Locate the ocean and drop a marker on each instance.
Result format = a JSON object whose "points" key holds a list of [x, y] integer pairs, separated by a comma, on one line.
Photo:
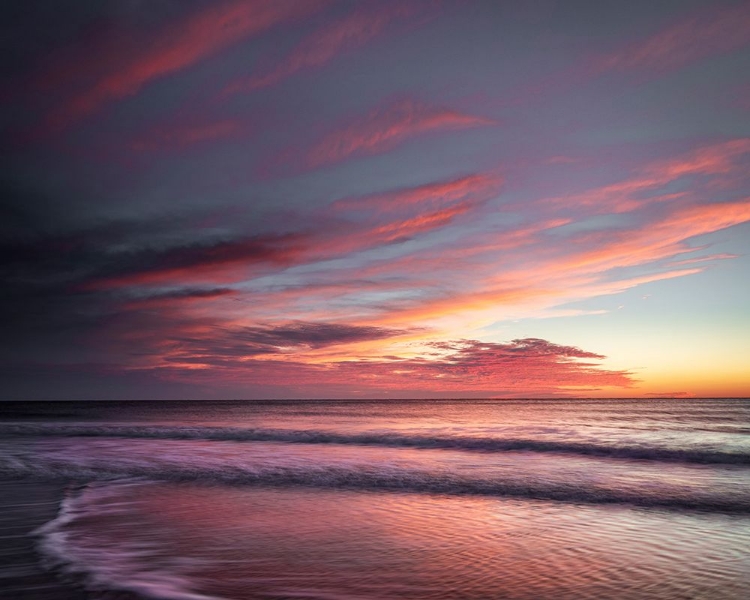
{"points": [[343, 500]]}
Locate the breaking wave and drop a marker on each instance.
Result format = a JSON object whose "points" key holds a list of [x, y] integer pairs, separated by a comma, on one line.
{"points": [[122, 566], [383, 478], [467, 443]]}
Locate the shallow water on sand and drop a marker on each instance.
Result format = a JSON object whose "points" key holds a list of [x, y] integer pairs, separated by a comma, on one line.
{"points": [[188, 541], [425, 500]]}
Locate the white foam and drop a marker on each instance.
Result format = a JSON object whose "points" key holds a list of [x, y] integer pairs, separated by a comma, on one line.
{"points": [[120, 564]]}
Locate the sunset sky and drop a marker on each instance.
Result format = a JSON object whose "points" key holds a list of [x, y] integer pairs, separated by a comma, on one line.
{"points": [[406, 198]]}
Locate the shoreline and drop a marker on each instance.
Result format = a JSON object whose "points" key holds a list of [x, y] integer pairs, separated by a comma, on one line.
{"points": [[25, 505]]}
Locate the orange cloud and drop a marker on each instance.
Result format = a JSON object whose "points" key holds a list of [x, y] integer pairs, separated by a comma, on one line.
{"points": [[662, 239], [546, 279], [466, 367], [504, 268], [671, 395], [645, 187]]}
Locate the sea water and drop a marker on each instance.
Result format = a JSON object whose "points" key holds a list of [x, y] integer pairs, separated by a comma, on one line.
{"points": [[517, 499]]}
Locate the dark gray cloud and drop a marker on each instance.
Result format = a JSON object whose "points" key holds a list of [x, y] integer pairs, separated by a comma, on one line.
{"points": [[314, 335], [224, 346], [38, 255], [65, 281], [187, 293]]}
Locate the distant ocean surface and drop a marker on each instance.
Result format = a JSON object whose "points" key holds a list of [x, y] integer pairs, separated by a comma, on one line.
{"points": [[470, 499]]}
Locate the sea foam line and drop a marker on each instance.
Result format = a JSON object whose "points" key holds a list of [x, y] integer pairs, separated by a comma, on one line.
{"points": [[114, 568], [467, 443], [384, 479]]}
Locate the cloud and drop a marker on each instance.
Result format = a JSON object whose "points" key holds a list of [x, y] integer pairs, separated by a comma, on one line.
{"points": [[142, 296], [132, 255], [178, 296], [128, 254], [658, 240], [351, 31], [523, 364], [470, 187], [175, 48], [699, 36], [172, 338], [649, 184], [385, 128], [703, 259], [670, 395], [403, 230], [315, 335], [706, 33], [179, 136], [233, 346], [550, 273], [467, 367], [206, 262], [400, 214]]}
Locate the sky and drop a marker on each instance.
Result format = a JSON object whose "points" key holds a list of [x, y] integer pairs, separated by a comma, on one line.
{"points": [[374, 199]]}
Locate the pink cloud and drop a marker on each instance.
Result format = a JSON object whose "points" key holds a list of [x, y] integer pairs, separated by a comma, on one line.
{"points": [[646, 186], [465, 367], [662, 239], [699, 36], [177, 47], [355, 29], [171, 300], [411, 212], [386, 128], [702, 259], [545, 276], [457, 282], [471, 365], [419, 224], [182, 136], [704, 34], [474, 275], [216, 263], [478, 185], [739, 97]]}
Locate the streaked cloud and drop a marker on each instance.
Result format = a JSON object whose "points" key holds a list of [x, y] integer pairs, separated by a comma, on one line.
{"points": [[180, 136], [475, 186], [359, 26], [705, 33], [460, 367], [178, 46], [201, 262], [649, 184], [355, 198], [385, 128]]}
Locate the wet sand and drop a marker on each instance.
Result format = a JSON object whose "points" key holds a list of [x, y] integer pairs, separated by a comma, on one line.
{"points": [[25, 505]]}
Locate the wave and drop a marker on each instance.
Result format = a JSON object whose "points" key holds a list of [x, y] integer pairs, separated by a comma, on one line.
{"points": [[467, 443], [384, 478], [118, 566]]}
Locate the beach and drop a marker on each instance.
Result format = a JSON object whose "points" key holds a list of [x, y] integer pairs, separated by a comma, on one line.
{"points": [[509, 500], [26, 505]]}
